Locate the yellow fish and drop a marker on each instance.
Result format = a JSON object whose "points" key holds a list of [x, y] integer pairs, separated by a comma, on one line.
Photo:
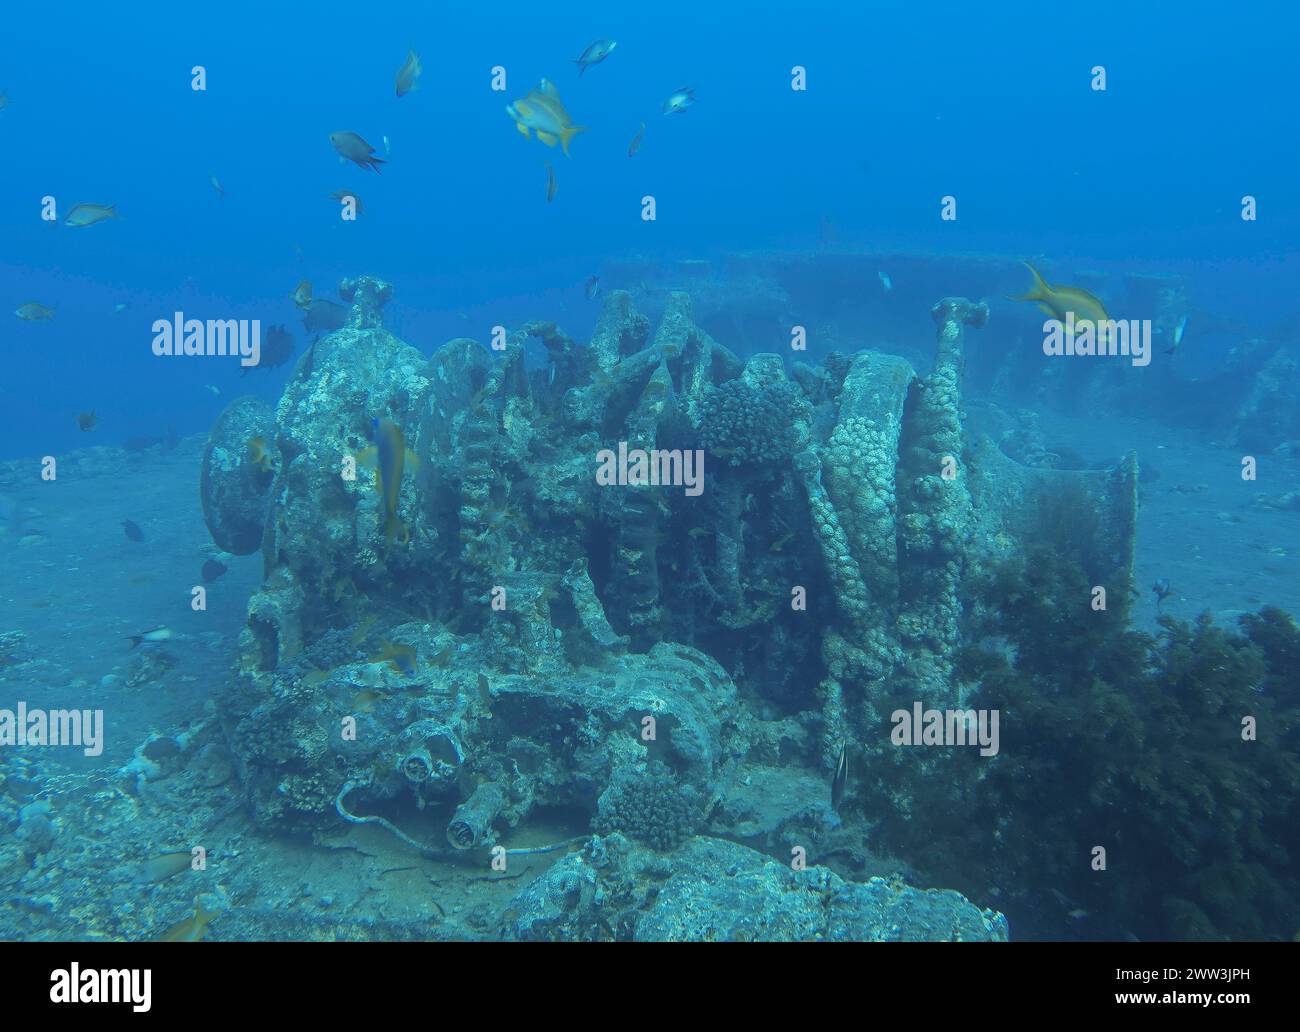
{"points": [[192, 929], [401, 659], [1058, 302], [409, 74], [258, 454], [543, 112], [33, 312], [302, 296], [88, 214], [160, 868], [390, 456]]}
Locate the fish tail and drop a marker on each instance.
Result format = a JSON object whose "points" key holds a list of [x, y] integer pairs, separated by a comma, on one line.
{"points": [[395, 528], [1038, 292], [135, 639], [568, 134]]}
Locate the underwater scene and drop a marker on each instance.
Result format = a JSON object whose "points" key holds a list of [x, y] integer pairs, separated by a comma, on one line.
{"points": [[684, 472]]}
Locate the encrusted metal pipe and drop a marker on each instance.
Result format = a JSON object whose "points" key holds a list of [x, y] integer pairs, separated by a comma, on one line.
{"points": [[473, 819]]}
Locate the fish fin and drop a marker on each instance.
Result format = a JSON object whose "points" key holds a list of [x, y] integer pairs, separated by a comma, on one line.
{"points": [[135, 639], [367, 457], [1044, 308], [522, 128], [412, 460], [547, 138], [568, 134]]}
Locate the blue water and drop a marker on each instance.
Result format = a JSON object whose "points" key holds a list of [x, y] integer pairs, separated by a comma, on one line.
{"points": [[906, 104]]}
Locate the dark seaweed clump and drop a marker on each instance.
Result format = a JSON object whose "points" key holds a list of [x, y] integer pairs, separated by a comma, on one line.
{"points": [[654, 808], [1134, 743]]}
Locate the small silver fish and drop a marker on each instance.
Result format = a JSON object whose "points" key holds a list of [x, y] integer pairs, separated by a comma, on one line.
{"points": [[1178, 331], [886, 282], [158, 636], [594, 54], [408, 76], [591, 288], [841, 779], [636, 141], [88, 214], [34, 311], [216, 185], [388, 147], [679, 100]]}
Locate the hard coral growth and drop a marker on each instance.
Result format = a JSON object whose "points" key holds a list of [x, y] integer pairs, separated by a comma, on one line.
{"points": [[652, 807], [746, 424]]}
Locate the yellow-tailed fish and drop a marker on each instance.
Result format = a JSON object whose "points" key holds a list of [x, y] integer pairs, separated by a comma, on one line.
{"points": [[352, 147], [552, 188], [259, 456], [302, 296], [1058, 301], [408, 76], [364, 701], [34, 312], [401, 659], [636, 141], [192, 929], [88, 214], [390, 456], [543, 112]]}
